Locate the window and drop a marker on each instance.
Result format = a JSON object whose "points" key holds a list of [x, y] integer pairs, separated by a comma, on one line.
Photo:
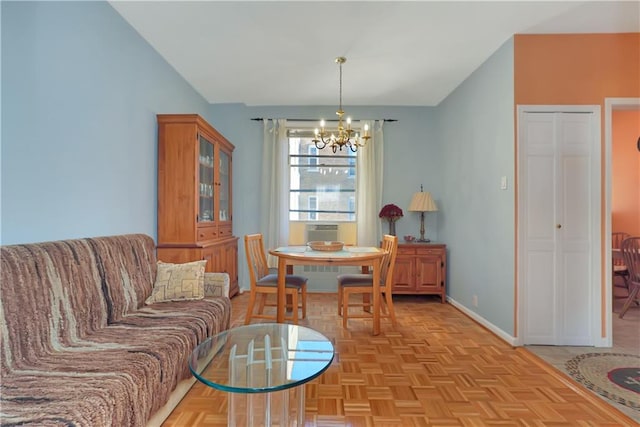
{"points": [[322, 184], [352, 207], [313, 207], [312, 159]]}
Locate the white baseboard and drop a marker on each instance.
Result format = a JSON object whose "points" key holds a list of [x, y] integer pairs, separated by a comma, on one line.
{"points": [[513, 341]]}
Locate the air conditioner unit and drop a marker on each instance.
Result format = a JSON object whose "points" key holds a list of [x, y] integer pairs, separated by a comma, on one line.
{"points": [[322, 232]]}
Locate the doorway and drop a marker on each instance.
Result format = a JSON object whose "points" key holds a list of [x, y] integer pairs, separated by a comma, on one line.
{"points": [[559, 223], [610, 318]]}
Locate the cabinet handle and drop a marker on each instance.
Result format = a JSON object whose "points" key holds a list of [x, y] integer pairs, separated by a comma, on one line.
{"points": [[558, 225]]}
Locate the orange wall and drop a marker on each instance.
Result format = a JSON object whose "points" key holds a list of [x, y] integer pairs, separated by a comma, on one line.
{"points": [[576, 68], [573, 69], [625, 171]]}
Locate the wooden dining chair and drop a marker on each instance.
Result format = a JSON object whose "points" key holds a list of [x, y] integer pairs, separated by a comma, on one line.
{"points": [[631, 254], [619, 267], [265, 283], [349, 284]]}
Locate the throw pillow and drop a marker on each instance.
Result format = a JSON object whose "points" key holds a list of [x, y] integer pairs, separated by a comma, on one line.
{"points": [[216, 285], [178, 282]]}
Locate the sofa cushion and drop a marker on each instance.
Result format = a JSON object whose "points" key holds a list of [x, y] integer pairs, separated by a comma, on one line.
{"points": [[177, 282]]}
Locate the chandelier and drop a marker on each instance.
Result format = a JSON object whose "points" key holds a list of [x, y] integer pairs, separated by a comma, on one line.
{"points": [[345, 135]]}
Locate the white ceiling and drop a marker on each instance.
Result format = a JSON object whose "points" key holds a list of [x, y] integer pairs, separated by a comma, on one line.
{"points": [[398, 53]]}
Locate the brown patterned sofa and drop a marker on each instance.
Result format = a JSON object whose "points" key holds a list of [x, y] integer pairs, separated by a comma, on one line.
{"points": [[78, 345]]}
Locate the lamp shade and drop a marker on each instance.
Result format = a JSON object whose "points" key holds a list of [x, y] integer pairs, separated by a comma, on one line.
{"points": [[422, 202]]}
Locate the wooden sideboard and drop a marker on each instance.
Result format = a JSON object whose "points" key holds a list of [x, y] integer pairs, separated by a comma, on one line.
{"points": [[421, 269], [194, 195]]}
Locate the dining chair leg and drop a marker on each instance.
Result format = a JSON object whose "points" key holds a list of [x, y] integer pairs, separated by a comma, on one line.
{"points": [[340, 297], [263, 302], [345, 307], [366, 302], [630, 299], [294, 301], [383, 305], [392, 313], [252, 301], [304, 301]]}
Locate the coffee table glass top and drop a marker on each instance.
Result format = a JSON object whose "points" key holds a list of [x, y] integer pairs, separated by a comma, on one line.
{"points": [[261, 358]]}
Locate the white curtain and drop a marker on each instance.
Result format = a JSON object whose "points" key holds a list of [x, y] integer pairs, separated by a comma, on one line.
{"points": [[274, 205], [369, 186]]}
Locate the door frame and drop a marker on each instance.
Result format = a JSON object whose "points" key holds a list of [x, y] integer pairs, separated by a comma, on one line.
{"points": [[595, 288], [610, 104]]}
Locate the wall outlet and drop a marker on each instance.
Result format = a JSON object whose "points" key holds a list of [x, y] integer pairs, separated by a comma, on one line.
{"points": [[474, 301]]}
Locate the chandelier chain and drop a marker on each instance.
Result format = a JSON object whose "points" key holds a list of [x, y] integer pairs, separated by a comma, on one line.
{"points": [[340, 86]]}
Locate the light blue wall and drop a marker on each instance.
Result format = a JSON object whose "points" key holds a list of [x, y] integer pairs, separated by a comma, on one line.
{"points": [[476, 137], [409, 159], [80, 91]]}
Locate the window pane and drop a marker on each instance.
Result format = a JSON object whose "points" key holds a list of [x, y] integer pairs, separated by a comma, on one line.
{"points": [[322, 183]]}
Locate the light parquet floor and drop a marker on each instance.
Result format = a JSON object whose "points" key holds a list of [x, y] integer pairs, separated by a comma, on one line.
{"points": [[626, 340], [437, 367]]}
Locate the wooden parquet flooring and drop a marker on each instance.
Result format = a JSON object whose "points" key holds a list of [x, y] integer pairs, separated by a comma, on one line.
{"points": [[437, 367]]}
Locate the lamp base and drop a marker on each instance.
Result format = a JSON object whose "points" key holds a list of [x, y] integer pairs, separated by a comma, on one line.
{"points": [[423, 241]]}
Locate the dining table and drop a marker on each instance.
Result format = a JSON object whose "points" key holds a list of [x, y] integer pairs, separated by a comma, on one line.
{"points": [[361, 256]]}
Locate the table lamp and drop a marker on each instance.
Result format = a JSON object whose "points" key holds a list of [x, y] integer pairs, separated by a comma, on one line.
{"points": [[422, 202]]}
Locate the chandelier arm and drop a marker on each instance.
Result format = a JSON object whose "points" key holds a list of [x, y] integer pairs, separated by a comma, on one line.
{"points": [[317, 143]]}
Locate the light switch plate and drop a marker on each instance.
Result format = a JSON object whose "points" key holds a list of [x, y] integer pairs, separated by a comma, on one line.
{"points": [[503, 183]]}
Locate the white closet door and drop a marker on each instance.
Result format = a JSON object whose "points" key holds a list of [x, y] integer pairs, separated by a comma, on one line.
{"points": [[556, 233]]}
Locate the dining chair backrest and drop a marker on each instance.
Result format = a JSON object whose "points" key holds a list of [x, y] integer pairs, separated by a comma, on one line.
{"points": [[616, 241], [390, 245], [630, 248], [617, 237], [256, 258]]}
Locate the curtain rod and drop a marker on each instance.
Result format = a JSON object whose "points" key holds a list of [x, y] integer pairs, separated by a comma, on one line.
{"points": [[259, 119]]}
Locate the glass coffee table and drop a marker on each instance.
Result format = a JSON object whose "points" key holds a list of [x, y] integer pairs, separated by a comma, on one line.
{"points": [[264, 367]]}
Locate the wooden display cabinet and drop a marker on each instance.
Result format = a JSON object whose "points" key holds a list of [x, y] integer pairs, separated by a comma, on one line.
{"points": [[421, 269], [194, 195]]}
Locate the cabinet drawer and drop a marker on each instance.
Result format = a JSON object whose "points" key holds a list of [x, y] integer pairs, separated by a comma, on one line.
{"points": [[426, 251], [224, 230], [207, 233], [406, 251]]}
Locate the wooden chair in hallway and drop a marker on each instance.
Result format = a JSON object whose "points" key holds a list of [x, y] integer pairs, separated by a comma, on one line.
{"points": [[265, 283], [619, 267], [631, 254], [349, 284]]}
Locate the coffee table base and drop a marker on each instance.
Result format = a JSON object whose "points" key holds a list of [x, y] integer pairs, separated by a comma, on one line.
{"points": [[277, 408], [259, 366]]}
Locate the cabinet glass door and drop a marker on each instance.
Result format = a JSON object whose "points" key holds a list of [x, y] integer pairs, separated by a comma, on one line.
{"points": [[207, 189], [224, 212]]}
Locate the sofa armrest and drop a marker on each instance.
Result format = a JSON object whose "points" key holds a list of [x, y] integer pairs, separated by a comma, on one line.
{"points": [[216, 285]]}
